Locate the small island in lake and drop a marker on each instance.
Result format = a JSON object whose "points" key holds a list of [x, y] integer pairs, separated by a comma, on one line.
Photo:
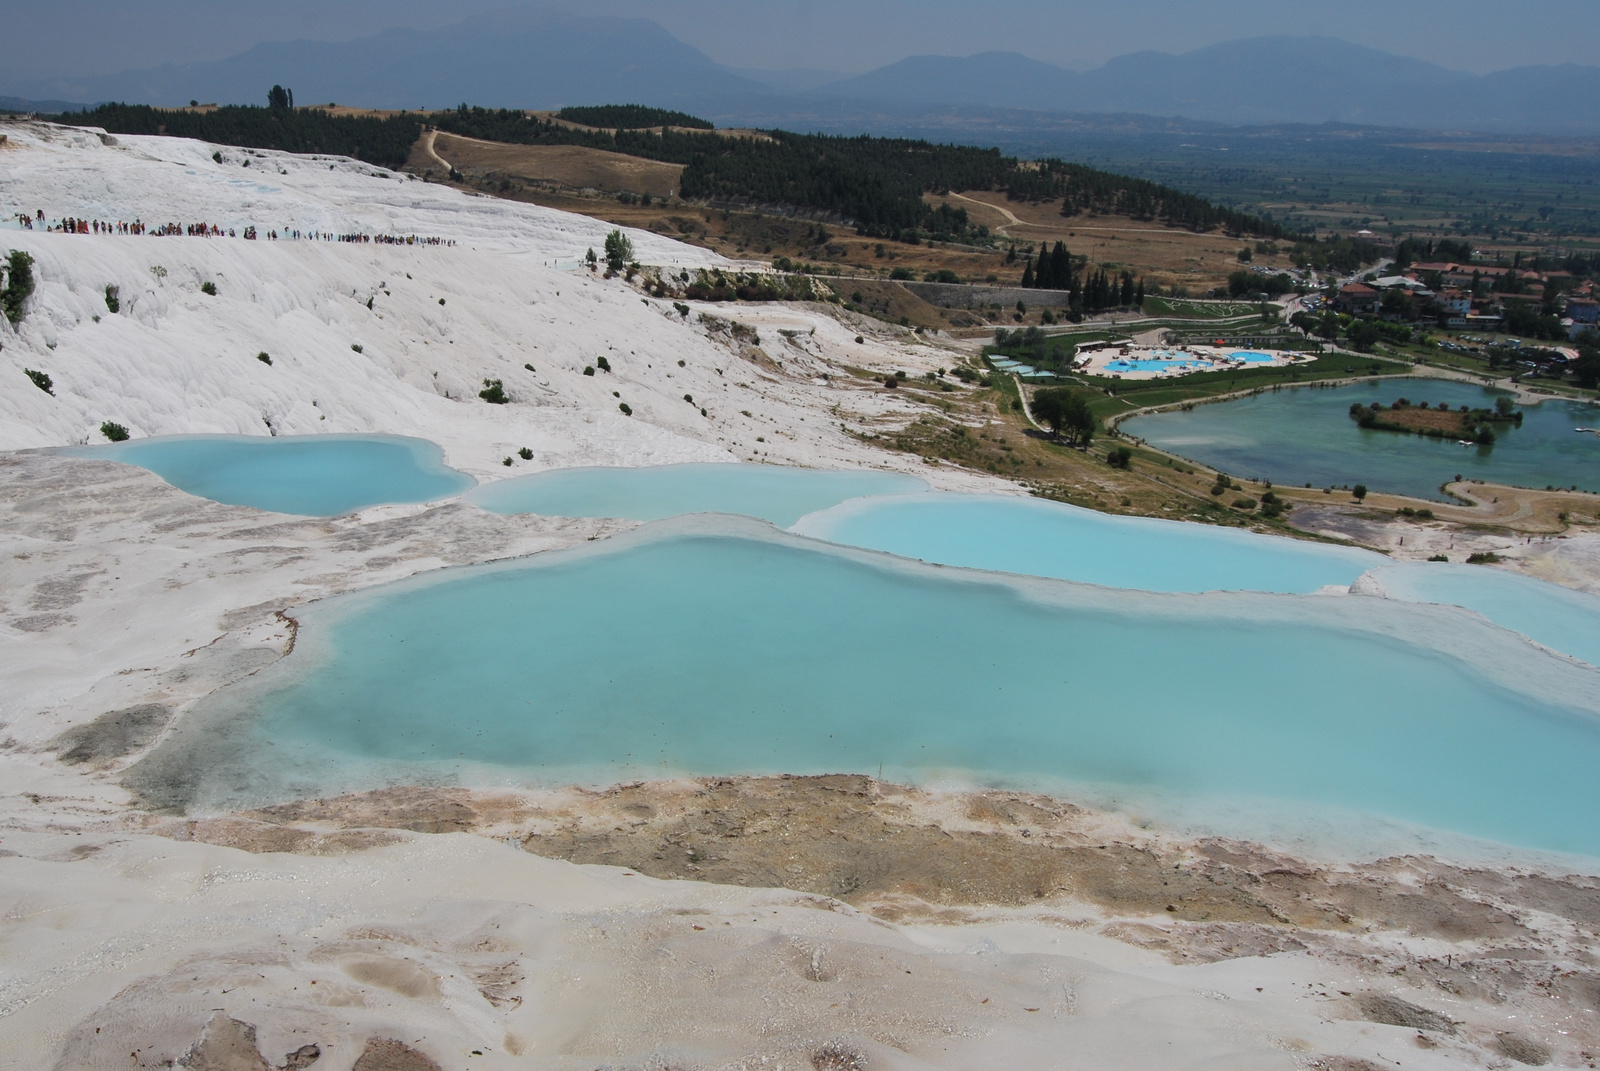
{"points": [[1442, 422]]}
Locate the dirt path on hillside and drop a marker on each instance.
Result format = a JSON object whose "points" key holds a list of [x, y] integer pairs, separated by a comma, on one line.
{"points": [[1011, 217], [428, 146]]}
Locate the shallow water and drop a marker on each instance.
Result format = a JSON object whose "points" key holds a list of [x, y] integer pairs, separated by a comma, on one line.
{"points": [[1557, 617], [1039, 538], [309, 475], [1033, 537], [774, 493], [726, 648], [1305, 435]]}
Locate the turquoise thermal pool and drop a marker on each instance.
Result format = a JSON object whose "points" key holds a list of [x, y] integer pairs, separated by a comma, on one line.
{"points": [[1559, 618], [1039, 538], [775, 493], [1033, 537], [716, 645], [309, 475], [1304, 435]]}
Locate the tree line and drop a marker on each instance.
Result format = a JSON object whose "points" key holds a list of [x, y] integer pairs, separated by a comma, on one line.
{"points": [[630, 117], [1085, 189], [385, 142], [1058, 269]]}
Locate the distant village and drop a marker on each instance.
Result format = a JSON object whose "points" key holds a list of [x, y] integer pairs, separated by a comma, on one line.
{"points": [[1470, 296]]}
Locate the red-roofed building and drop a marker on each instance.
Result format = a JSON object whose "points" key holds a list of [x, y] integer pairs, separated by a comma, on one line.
{"points": [[1358, 299]]}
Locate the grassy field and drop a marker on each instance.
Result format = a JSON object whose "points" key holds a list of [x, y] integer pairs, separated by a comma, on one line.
{"points": [[1162, 255], [563, 166], [986, 430]]}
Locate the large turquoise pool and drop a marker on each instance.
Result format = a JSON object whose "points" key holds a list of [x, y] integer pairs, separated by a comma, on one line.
{"points": [[775, 493], [716, 645], [310, 475], [1304, 435]]}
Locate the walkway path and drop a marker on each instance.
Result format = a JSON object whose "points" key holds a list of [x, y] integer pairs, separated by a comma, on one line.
{"points": [[1011, 217], [432, 135], [1524, 395], [1027, 412]]}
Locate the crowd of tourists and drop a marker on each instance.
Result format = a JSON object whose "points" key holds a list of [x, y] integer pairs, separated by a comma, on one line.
{"points": [[70, 225]]}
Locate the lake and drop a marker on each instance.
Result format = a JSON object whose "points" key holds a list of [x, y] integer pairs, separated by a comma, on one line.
{"points": [[1304, 435]]}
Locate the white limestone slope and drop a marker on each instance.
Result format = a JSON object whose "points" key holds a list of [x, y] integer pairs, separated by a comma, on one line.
{"points": [[431, 322]]}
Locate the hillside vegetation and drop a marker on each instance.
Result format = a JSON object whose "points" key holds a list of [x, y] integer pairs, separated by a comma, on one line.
{"points": [[385, 142], [630, 117], [876, 184]]}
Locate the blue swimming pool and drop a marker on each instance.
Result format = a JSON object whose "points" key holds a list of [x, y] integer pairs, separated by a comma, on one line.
{"points": [[776, 493], [717, 645], [1157, 365], [310, 475], [1252, 357]]}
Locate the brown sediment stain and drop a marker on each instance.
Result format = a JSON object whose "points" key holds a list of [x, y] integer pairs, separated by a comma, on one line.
{"points": [[387, 1054], [1500, 940], [903, 853], [294, 630], [421, 810], [265, 837]]}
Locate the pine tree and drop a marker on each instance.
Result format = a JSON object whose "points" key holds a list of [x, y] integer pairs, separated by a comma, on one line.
{"points": [[1061, 267], [1027, 275]]}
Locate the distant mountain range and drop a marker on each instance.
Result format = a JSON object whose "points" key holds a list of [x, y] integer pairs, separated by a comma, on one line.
{"points": [[43, 107], [533, 59], [1261, 80], [509, 58]]}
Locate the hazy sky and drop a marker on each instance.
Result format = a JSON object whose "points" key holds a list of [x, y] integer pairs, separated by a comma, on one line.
{"points": [[45, 37]]}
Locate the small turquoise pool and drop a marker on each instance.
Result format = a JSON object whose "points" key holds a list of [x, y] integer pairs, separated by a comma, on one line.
{"points": [[1559, 618], [309, 475], [771, 492], [715, 645], [1252, 357], [1034, 537]]}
